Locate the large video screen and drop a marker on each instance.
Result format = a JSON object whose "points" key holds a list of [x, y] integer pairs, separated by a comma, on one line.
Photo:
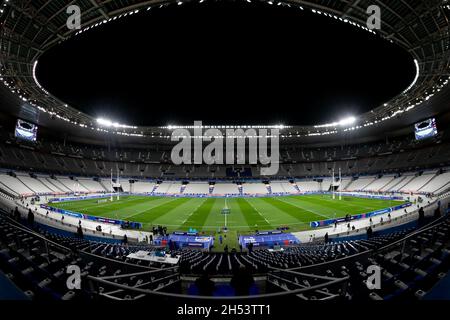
{"points": [[426, 129], [26, 131]]}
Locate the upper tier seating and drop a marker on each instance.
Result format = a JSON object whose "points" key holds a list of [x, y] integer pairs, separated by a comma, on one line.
{"points": [[296, 162]]}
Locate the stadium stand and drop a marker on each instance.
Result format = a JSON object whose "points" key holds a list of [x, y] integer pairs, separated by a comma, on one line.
{"points": [[34, 184], [226, 188], [254, 188], [282, 187], [308, 186], [379, 183], [14, 185], [138, 187], [197, 188], [360, 183], [388, 159], [438, 183]]}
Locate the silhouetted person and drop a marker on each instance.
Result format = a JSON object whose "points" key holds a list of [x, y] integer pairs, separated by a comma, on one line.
{"points": [[421, 215], [125, 239], [369, 232], [205, 285], [326, 237], [242, 281], [30, 217], [16, 214], [250, 247], [80, 232]]}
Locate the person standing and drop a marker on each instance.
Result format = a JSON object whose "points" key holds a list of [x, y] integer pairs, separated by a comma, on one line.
{"points": [[30, 218]]}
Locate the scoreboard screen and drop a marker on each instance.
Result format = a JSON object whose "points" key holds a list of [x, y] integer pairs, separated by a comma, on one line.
{"points": [[26, 131], [426, 129]]}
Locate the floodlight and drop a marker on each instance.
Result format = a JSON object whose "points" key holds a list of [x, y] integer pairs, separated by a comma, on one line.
{"points": [[347, 121]]}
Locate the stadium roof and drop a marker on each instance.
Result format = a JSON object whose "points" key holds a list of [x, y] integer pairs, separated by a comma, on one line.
{"points": [[419, 26]]}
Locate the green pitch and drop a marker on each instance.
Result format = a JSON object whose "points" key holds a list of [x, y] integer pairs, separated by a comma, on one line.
{"points": [[247, 214]]}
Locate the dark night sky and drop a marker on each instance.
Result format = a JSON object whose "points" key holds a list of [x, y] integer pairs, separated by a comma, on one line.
{"points": [[225, 63]]}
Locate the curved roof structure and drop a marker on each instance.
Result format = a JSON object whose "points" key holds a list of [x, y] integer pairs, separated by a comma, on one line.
{"points": [[29, 28]]}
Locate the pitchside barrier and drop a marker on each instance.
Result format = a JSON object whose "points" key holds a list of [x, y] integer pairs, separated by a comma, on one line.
{"points": [[129, 224], [257, 195], [316, 224], [265, 195], [87, 197]]}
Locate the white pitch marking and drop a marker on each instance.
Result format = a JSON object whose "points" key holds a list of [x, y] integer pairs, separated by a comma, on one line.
{"points": [[148, 208], [258, 211], [193, 212]]}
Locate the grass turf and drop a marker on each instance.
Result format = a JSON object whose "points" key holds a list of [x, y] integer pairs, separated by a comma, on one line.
{"points": [[247, 214]]}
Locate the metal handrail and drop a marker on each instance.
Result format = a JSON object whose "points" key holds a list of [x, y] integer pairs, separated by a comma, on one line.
{"points": [[184, 296]]}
